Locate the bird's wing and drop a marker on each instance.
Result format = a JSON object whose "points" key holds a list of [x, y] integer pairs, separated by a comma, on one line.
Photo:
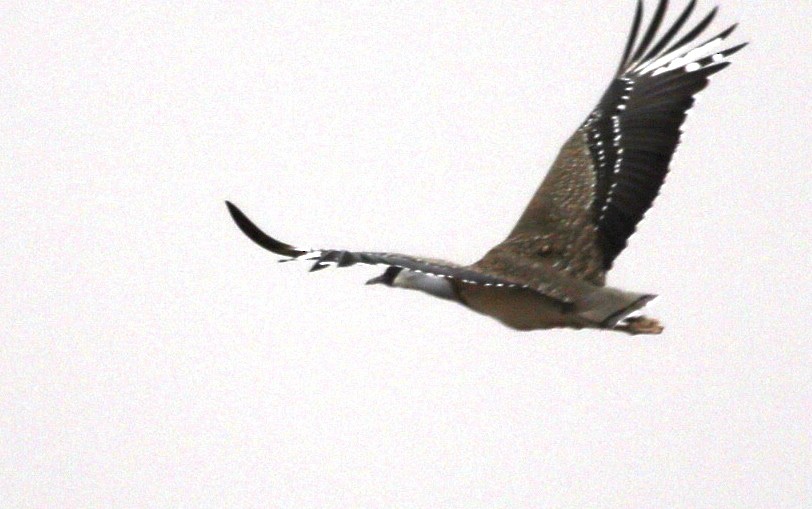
{"points": [[609, 172], [324, 258]]}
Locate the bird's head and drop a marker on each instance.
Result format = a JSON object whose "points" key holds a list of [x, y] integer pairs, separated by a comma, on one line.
{"points": [[387, 278]]}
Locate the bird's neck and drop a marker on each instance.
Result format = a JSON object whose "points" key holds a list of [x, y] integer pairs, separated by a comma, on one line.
{"points": [[433, 285]]}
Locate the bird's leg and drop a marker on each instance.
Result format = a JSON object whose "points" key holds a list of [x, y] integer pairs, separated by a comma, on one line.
{"points": [[639, 325]]}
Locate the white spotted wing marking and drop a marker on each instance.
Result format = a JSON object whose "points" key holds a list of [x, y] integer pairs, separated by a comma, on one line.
{"points": [[634, 130]]}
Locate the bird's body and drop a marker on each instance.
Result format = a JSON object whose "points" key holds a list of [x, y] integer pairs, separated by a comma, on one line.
{"points": [[524, 309], [551, 269]]}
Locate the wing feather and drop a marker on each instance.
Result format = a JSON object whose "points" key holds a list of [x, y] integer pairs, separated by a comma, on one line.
{"points": [[695, 32], [672, 32], [652, 29], [609, 172], [632, 39], [324, 258], [641, 114]]}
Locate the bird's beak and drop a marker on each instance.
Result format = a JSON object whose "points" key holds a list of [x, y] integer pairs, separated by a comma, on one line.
{"points": [[387, 278]]}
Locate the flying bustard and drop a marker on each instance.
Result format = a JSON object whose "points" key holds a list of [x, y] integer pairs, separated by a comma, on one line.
{"points": [[551, 269]]}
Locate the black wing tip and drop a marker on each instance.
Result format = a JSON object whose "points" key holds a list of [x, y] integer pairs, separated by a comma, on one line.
{"points": [[651, 31], [262, 239], [710, 16], [647, 49], [729, 30], [234, 210], [736, 48], [631, 40]]}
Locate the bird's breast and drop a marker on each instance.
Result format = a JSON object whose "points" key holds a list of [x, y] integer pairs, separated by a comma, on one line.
{"points": [[518, 308]]}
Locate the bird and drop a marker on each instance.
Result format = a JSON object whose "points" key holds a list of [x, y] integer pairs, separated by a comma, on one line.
{"points": [[550, 271]]}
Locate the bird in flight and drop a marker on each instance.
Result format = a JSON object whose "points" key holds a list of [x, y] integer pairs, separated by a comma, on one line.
{"points": [[551, 269]]}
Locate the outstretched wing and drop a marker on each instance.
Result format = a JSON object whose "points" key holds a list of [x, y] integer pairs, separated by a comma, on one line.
{"points": [[324, 258], [610, 171]]}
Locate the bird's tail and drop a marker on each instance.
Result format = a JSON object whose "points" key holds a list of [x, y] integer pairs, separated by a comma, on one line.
{"points": [[607, 306]]}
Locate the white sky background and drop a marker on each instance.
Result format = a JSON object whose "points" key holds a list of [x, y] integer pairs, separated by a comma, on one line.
{"points": [[152, 356]]}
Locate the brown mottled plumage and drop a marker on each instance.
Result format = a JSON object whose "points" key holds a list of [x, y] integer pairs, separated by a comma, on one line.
{"points": [[551, 269], [556, 228]]}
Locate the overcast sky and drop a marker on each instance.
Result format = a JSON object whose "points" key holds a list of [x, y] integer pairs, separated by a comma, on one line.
{"points": [[152, 356]]}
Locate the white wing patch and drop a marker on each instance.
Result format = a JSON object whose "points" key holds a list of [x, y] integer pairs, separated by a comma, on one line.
{"points": [[682, 59]]}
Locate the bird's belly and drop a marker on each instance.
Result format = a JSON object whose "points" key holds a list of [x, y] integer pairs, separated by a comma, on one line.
{"points": [[517, 308]]}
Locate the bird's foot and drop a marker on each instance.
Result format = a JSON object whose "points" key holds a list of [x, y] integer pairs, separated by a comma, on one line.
{"points": [[640, 325]]}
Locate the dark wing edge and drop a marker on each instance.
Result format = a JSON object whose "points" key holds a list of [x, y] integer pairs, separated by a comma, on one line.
{"points": [[324, 258], [253, 232], [633, 132]]}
